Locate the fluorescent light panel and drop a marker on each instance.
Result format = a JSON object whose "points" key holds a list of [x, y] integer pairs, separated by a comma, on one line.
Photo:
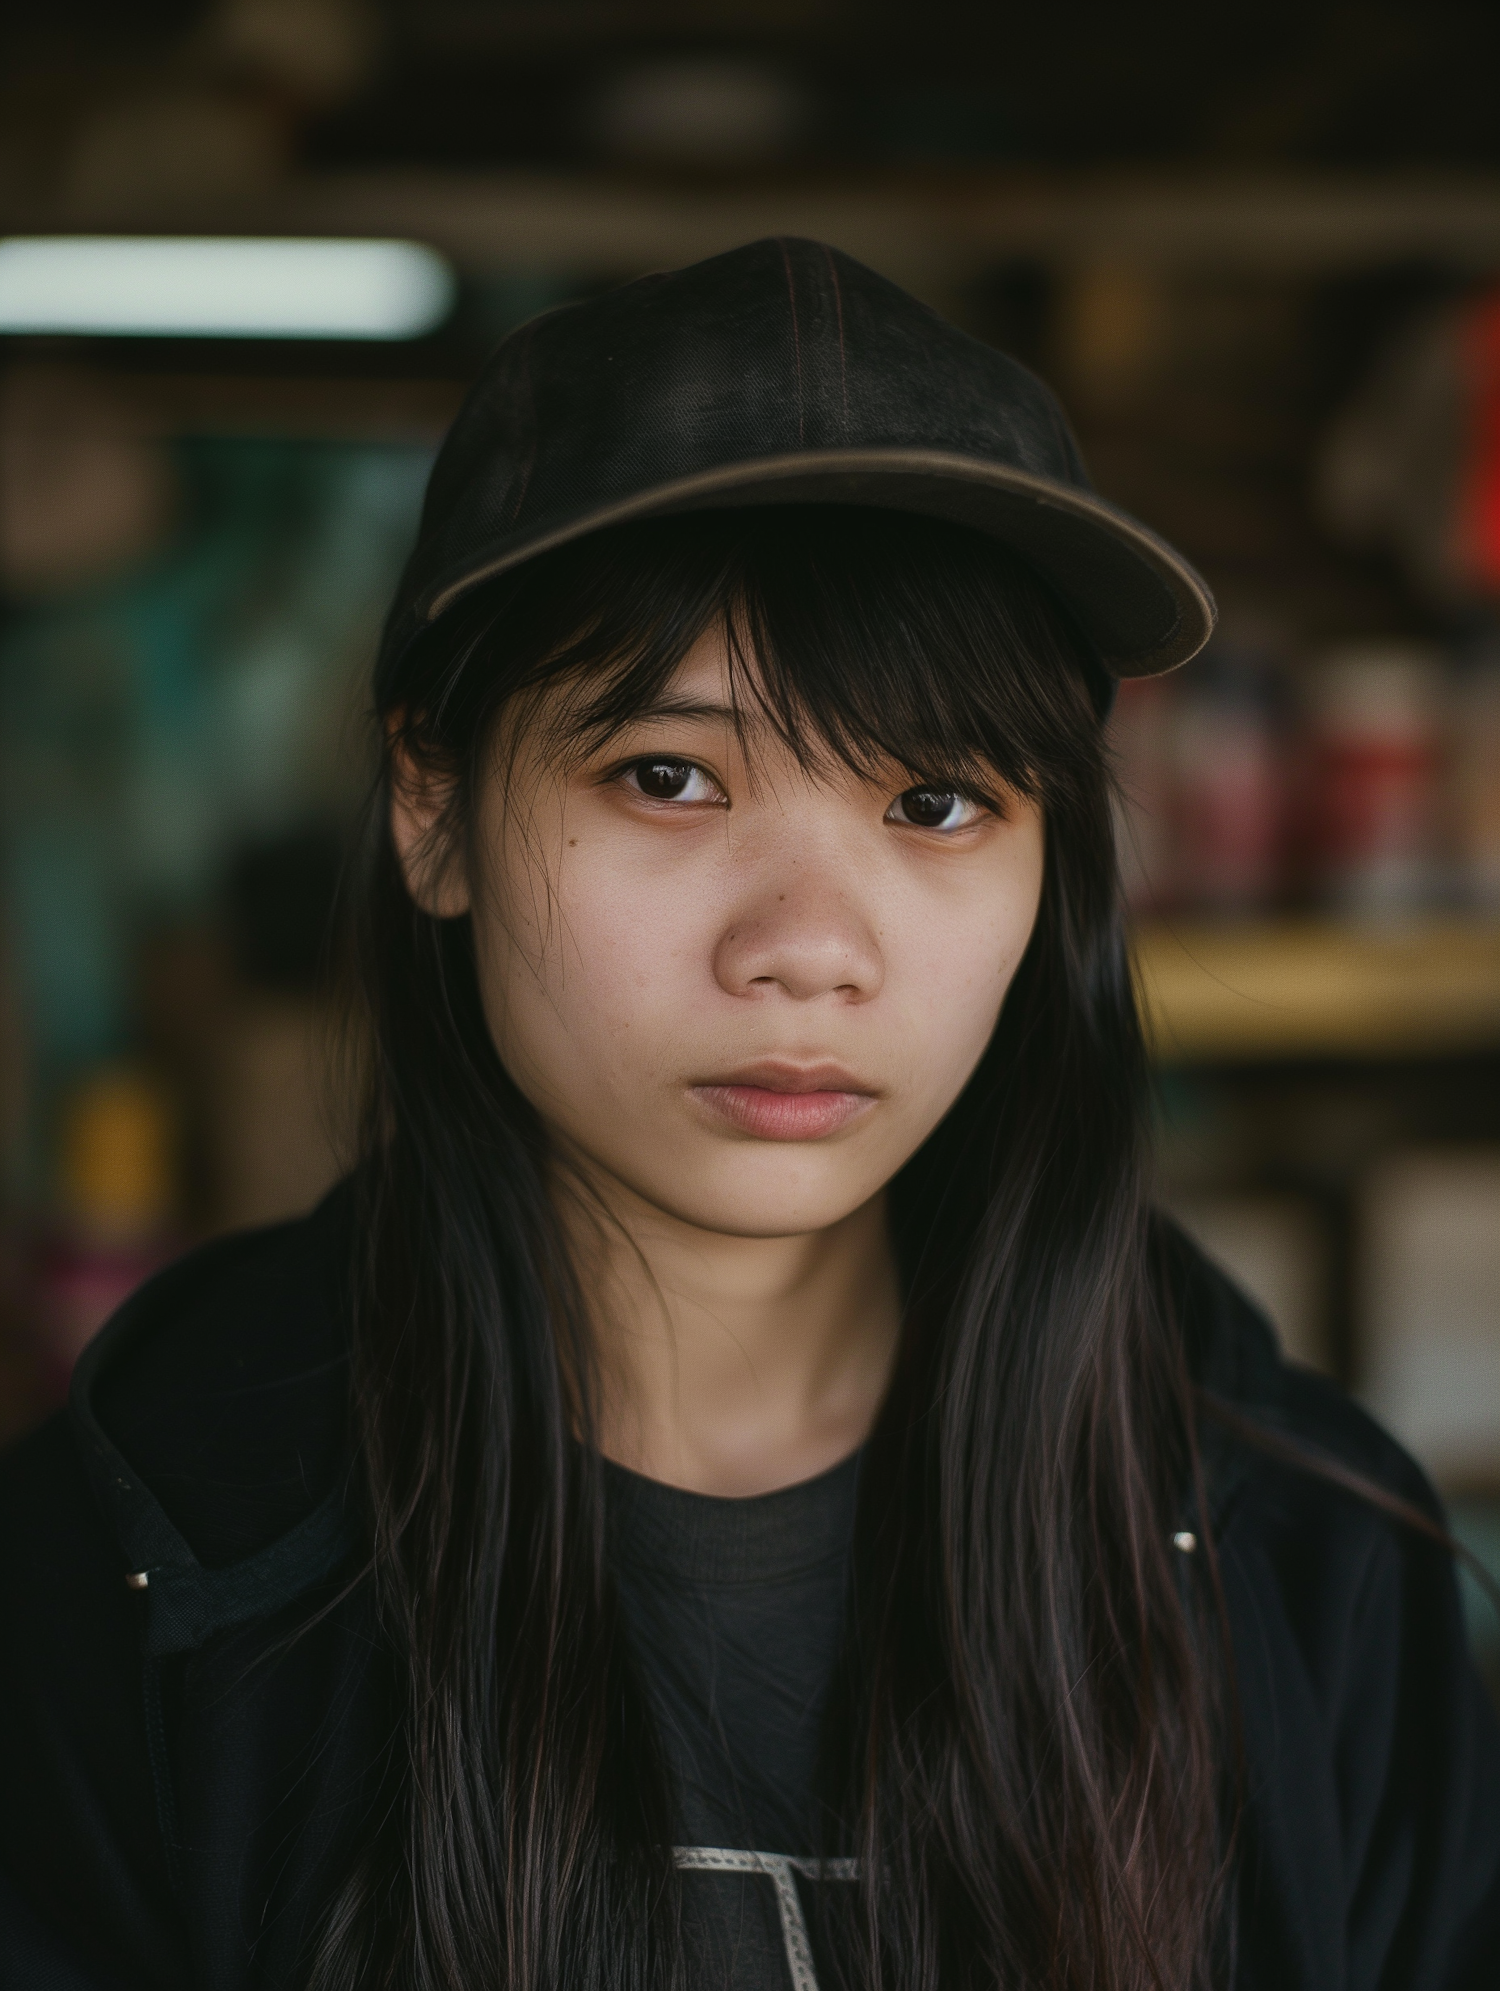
{"points": [[221, 287]]}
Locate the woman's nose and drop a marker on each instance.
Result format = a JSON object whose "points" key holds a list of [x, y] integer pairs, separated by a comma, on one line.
{"points": [[804, 936]]}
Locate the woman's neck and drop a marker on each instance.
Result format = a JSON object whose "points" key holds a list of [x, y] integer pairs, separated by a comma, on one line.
{"points": [[732, 1365]]}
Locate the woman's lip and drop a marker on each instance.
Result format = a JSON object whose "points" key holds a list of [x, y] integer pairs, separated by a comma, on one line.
{"points": [[777, 1114], [785, 1075]]}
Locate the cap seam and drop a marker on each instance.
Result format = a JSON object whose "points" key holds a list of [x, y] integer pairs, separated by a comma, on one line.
{"points": [[838, 307], [791, 298]]}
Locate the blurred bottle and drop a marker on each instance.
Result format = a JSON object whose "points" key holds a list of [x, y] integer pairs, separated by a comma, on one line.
{"points": [[1411, 465], [1229, 781], [1372, 766], [115, 1204]]}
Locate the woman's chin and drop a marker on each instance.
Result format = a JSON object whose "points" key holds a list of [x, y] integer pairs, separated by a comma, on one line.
{"points": [[756, 1189]]}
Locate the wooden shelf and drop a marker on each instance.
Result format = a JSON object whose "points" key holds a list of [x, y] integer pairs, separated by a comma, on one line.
{"points": [[932, 230], [927, 229], [1318, 988]]}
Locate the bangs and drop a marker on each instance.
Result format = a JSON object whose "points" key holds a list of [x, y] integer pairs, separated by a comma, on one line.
{"points": [[857, 638]]}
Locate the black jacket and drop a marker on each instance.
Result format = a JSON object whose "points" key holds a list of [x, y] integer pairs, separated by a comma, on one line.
{"points": [[177, 1777]]}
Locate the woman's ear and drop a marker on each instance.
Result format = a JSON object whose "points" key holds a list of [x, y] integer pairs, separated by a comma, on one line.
{"points": [[431, 860]]}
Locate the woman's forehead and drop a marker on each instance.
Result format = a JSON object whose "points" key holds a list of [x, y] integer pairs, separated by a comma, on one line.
{"points": [[720, 688], [711, 684]]}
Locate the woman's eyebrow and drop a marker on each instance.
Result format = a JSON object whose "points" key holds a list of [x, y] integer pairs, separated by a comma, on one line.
{"points": [[668, 707]]}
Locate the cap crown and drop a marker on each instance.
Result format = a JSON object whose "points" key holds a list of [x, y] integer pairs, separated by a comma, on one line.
{"points": [[783, 371]]}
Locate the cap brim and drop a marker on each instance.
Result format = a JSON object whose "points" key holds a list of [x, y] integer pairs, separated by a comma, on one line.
{"points": [[1133, 595]]}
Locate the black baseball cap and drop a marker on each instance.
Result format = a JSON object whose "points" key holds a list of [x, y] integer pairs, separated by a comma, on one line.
{"points": [[783, 372]]}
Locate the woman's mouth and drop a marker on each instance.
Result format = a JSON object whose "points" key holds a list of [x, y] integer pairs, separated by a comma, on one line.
{"points": [[775, 1102]]}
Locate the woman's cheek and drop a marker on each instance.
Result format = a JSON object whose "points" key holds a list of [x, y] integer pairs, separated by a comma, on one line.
{"points": [[647, 995], [957, 972], [622, 977], [956, 1021]]}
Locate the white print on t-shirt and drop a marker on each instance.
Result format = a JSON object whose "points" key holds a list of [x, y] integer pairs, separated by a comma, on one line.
{"points": [[778, 1869]]}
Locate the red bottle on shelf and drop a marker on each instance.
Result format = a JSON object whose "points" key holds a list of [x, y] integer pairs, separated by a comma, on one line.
{"points": [[1374, 755]]}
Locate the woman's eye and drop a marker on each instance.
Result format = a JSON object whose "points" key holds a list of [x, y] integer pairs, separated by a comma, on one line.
{"points": [[663, 780], [934, 809]]}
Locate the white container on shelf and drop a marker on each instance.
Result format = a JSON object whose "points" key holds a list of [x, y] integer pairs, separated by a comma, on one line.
{"points": [[1429, 1307], [1276, 1249]]}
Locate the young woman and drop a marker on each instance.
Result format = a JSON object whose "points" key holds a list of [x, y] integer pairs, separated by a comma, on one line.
{"points": [[738, 1489]]}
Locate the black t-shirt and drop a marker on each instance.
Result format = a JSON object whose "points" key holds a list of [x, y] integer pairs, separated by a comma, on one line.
{"points": [[735, 1609]]}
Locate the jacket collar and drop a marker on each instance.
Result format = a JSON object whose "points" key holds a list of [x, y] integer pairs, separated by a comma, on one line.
{"points": [[1231, 1351]]}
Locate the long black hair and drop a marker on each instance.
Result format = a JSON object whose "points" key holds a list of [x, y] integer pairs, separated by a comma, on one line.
{"points": [[1025, 1747]]}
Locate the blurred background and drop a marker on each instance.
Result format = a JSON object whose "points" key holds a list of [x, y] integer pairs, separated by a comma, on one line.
{"points": [[1257, 251]]}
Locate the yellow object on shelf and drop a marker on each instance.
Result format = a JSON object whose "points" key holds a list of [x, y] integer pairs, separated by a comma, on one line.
{"points": [[116, 1162], [1318, 988]]}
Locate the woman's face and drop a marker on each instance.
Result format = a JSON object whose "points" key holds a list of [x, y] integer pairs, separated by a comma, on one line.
{"points": [[745, 993]]}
